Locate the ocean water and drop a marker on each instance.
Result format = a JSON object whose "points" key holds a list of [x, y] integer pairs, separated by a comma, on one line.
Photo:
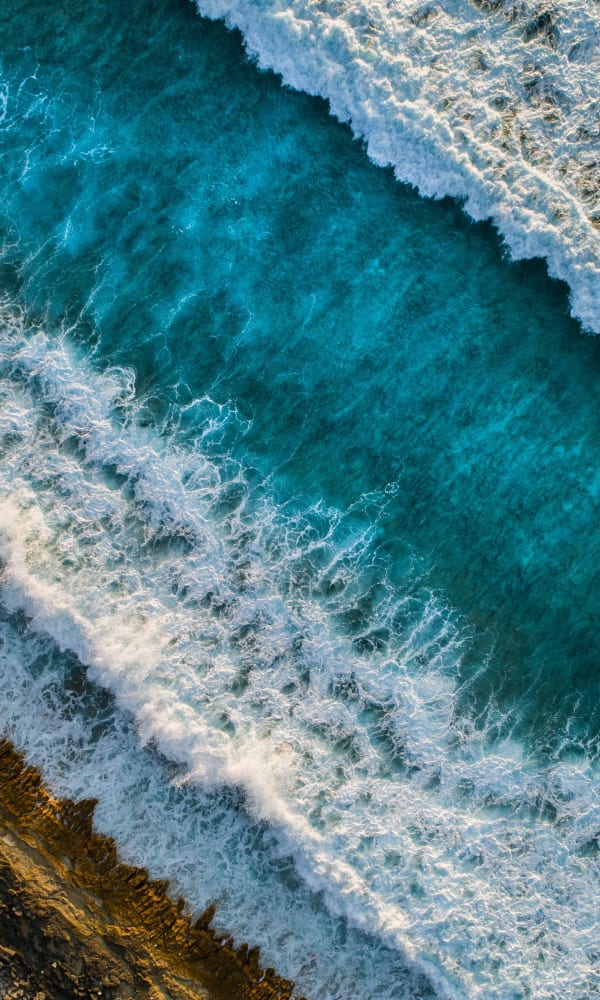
{"points": [[299, 479]]}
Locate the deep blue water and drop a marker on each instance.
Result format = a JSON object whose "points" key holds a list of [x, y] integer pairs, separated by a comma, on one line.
{"points": [[169, 208]]}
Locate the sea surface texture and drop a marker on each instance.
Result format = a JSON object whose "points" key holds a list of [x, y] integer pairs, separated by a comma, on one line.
{"points": [[300, 472], [492, 101]]}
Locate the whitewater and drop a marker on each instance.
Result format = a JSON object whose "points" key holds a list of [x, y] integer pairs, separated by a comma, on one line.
{"points": [[489, 101], [299, 477], [209, 614]]}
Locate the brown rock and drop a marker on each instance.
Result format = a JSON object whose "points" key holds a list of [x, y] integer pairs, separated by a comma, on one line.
{"points": [[109, 931]]}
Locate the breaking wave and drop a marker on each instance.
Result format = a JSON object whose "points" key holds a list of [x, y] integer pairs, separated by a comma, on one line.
{"points": [[489, 101], [319, 766]]}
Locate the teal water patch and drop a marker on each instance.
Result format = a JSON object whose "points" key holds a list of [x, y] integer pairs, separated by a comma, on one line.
{"points": [[332, 545], [224, 235], [209, 613], [481, 102]]}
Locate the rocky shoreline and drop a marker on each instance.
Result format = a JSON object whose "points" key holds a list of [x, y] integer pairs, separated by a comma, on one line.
{"points": [[76, 923]]}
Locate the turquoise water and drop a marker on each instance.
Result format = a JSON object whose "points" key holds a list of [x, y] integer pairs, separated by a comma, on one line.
{"points": [[349, 493]]}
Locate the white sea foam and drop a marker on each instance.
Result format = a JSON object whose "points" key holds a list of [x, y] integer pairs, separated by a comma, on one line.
{"points": [[211, 614], [485, 100]]}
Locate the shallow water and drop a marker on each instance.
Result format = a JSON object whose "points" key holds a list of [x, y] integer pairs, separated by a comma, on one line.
{"points": [[298, 522]]}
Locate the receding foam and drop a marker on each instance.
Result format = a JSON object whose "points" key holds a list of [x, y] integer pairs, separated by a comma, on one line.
{"points": [[407, 837]]}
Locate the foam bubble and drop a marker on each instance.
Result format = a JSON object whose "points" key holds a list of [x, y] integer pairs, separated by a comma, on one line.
{"points": [[490, 103], [213, 617]]}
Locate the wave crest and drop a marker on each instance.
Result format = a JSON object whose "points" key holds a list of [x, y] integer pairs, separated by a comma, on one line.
{"points": [[487, 102]]}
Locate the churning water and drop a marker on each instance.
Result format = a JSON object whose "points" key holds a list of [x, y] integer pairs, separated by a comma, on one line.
{"points": [[299, 481]]}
